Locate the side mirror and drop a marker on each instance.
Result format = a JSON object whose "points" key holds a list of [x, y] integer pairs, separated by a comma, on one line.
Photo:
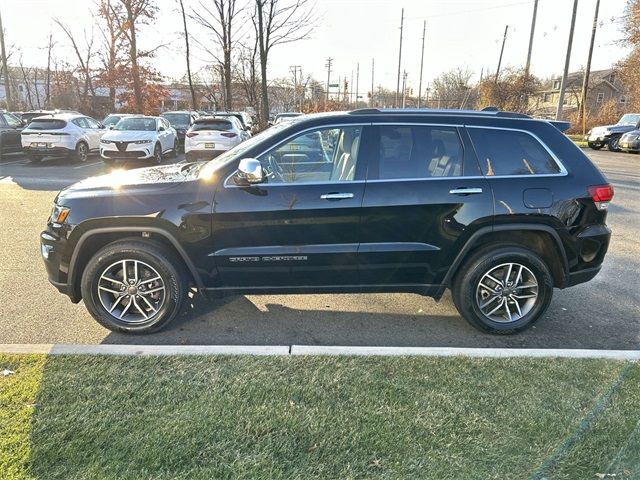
{"points": [[161, 129], [101, 126], [249, 172], [111, 127]]}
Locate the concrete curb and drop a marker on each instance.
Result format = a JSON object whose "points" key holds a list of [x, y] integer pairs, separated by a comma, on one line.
{"points": [[147, 350]]}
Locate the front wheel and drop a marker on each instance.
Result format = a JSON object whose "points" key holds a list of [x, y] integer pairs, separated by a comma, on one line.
{"points": [[503, 289], [595, 146], [614, 141], [157, 154], [132, 286], [174, 151]]}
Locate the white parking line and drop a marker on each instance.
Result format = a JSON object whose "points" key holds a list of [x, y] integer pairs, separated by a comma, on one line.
{"points": [[87, 165], [23, 161]]}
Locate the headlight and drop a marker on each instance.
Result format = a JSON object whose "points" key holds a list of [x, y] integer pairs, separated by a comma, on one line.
{"points": [[142, 142], [59, 213], [102, 140]]}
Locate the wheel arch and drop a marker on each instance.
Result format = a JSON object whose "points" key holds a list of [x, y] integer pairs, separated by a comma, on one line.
{"points": [[93, 240], [541, 239]]}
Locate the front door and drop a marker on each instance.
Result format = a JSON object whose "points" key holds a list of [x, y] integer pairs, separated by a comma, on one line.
{"points": [[300, 227], [423, 190]]}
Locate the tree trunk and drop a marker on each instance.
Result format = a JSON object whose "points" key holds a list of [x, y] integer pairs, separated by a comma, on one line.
{"points": [[264, 93], [133, 55], [227, 79], [186, 40]]}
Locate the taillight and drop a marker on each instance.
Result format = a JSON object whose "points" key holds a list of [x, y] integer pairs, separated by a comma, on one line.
{"points": [[601, 195], [228, 134], [191, 134]]}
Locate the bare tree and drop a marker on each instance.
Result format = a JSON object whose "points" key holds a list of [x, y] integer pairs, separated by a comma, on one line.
{"points": [[452, 89], [220, 20], [278, 22], [186, 41], [246, 73], [110, 72]]}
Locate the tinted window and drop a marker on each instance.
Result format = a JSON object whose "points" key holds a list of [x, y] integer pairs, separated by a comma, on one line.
{"points": [[506, 152], [81, 122], [327, 155], [47, 124], [12, 120], [178, 119], [419, 152], [221, 125], [139, 124], [92, 123]]}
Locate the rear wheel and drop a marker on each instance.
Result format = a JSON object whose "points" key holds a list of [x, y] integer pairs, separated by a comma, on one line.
{"points": [[503, 289], [613, 143], [174, 151], [82, 152], [134, 287]]}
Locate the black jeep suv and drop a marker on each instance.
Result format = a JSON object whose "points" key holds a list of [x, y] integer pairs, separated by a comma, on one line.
{"points": [[496, 206]]}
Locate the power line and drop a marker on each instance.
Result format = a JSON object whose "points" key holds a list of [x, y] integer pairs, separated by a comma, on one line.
{"points": [[328, 65], [424, 30]]}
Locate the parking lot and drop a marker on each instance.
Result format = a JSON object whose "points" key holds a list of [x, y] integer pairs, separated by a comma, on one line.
{"points": [[604, 313]]}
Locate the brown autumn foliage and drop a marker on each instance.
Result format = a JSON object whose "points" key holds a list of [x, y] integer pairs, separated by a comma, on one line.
{"points": [[607, 114], [510, 93], [630, 66]]}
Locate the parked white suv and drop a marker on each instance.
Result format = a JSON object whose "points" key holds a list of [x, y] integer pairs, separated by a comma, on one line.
{"points": [[63, 134], [208, 137], [139, 138]]}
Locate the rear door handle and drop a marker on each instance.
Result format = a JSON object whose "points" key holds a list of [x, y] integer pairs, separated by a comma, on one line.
{"points": [[336, 196], [465, 191]]}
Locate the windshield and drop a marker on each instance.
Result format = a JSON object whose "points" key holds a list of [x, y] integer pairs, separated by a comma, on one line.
{"points": [[629, 119], [178, 119], [236, 153], [138, 124], [111, 120]]}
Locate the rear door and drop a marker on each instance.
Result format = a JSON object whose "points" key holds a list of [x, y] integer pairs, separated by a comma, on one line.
{"points": [[94, 132], [301, 227], [10, 130], [424, 191]]}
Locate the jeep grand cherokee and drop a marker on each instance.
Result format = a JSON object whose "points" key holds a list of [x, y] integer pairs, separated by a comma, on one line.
{"points": [[496, 206]]}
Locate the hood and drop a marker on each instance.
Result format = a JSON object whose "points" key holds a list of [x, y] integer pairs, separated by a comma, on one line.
{"points": [[128, 135], [136, 180], [614, 128]]}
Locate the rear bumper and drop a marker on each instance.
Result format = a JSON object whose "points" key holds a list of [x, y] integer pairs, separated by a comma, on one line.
{"points": [[47, 152], [203, 154], [583, 276], [591, 247]]}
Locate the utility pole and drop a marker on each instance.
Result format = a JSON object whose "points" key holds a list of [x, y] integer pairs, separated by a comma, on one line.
{"points": [[399, 58], [533, 29], [357, 82], [504, 40], [7, 87], [404, 88], [351, 89], [585, 82], [328, 65], [563, 85], [424, 30], [373, 70], [295, 82]]}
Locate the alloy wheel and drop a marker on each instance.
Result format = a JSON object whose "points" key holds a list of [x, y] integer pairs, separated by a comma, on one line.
{"points": [[507, 293], [131, 291], [83, 152]]}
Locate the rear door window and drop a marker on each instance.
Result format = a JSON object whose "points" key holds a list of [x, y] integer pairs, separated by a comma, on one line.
{"points": [[415, 152], [508, 152]]}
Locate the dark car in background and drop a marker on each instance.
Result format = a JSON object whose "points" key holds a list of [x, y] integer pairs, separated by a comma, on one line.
{"points": [[610, 135], [496, 206], [630, 142], [10, 129], [181, 121]]}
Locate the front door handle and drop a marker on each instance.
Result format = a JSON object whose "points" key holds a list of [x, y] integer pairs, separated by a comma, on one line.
{"points": [[465, 191], [336, 196]]}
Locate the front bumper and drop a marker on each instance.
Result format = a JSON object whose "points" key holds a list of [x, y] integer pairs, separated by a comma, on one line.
{"points": [[52, 248], [633, 146], [141, 152]]}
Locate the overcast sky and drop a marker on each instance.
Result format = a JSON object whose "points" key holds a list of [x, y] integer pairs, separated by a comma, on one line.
{"points": [[460, 33]]}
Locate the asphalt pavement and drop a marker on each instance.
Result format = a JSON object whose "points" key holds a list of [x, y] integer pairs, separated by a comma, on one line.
{"points": [[602, 314]]}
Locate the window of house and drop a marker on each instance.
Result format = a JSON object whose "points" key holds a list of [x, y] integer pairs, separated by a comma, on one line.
{"points": [[408, 151], [600, 97], [556, 84], [507, 152], [623, 99]]}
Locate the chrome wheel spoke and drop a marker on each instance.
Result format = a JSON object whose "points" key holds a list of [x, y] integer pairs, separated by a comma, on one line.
{"points": [[488, 302], [493, 279], [493, 290], [517, 305], [522, 297], [141, 310], [115, 292], [497, 308], [518, 276], [115, 304], [112, 280], [153, 290], [153, 309], [124, 271], [126, 309]]}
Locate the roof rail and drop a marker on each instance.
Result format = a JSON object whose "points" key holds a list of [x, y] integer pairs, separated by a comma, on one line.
{"points": [[431, 111], [490, 109]]}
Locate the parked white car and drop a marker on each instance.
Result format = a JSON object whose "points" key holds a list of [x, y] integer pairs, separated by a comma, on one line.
{"points": [[113, 118], [208, 137], [139, 138], [64, 134]]}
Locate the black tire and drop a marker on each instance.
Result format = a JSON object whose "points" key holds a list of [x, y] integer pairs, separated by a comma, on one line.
{"points": [[466, 289], [157, 154], [614, 140], [595, 146], [82, 152], [174, 151], [165, 265]]}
